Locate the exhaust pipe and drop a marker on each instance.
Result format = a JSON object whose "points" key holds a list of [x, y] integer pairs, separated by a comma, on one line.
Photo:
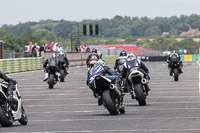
{"points": [[144, 81], [112, 86]]}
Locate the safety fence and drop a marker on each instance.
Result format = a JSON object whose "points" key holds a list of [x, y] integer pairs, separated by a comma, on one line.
{"points": [[20, 64], [184, 58]]}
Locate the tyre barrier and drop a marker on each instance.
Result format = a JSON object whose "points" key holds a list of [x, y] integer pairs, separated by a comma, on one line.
{"points": [[20, 64]]}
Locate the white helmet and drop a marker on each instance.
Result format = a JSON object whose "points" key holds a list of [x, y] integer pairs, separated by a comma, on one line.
{"points": [[54, 55], [131, 56], [61, 53]]}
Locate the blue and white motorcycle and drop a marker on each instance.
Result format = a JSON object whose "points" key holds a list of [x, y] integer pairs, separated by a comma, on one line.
{"points": [[107, 91]]}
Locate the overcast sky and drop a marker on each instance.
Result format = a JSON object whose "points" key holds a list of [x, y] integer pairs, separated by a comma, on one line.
{"points": [[15, 11]]}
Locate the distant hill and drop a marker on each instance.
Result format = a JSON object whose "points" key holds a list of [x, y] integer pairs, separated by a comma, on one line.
{"points": [[116, 27]]}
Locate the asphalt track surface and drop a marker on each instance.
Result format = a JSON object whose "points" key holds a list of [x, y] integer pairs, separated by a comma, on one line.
{"points": [[172, 107]]}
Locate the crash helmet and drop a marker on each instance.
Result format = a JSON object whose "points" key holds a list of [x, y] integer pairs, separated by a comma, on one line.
{"points": [[131, 56], [94, 50], [174, 51], [54, 55], [61, 53], [123, 53]]}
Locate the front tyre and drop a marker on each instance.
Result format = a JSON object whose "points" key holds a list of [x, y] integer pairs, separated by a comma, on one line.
{"points": [[109, 103], [6, 119], [24, 119], [176, 74], [62, 75], [51, 81], [140, 96]]}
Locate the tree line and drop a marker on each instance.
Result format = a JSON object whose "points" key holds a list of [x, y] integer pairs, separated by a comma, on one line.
{"points": [[126, 28]]}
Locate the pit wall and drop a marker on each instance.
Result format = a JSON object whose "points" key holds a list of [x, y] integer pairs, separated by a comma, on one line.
{"points": [[36, 63]]}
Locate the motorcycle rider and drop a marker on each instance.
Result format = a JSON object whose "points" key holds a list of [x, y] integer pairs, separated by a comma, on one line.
{"points": [[92, 57], [63, 61], [104, 71], [99, 53], [131, 62], [51, 61], [9, 90], [120, 60], [174, 56]]}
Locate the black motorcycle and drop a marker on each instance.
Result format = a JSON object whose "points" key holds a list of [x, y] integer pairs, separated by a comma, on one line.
{"points": [[53, 76], [63, 70]]}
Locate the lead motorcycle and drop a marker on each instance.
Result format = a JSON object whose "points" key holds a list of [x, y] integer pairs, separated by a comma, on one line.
{"points": [[137, 86], [11, 111], [110, 96]]}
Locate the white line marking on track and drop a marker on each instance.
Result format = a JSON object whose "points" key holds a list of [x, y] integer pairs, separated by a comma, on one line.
{"points": [[120, 131], [78, 98], [111, 119], [89, 111], [92, 104], [199, 75]]}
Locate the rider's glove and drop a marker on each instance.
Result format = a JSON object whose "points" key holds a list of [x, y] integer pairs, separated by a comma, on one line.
{"points": [[14, 81]]}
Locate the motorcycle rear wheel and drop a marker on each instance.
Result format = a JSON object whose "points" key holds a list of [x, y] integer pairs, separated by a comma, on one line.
{"points": [[109, 103], [6, 119], [140, 96]]}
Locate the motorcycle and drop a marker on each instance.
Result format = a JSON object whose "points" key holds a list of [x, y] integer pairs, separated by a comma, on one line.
{"points": [[52, 76], [110, 96], [63, 74], [138, 85], [11, 111], [175, 69]]}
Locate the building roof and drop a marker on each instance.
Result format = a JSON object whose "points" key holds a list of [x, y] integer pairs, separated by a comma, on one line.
{"points": [[1, 41], [191, 32]]}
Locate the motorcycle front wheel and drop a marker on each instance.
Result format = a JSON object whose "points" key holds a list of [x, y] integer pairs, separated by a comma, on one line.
{"points": [[176, 74], [6, 118], [24, 119], [51, 81]]}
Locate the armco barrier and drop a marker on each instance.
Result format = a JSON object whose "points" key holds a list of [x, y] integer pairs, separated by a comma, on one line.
{"points": [[20, 64]]}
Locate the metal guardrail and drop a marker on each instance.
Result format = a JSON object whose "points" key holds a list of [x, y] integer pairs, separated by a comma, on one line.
{"points": [[20, 64]]}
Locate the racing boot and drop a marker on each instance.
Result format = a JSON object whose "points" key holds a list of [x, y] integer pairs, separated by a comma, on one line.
{"points": [[170, 73], [180, 71], [146, 86], [132, 95], [46, 77], [100, 103]]}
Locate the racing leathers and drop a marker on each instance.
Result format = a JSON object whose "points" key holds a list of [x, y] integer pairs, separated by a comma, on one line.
{"points": [[63, 62], [51, 61], [92, 57], [12, 82], [119, 63]]}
